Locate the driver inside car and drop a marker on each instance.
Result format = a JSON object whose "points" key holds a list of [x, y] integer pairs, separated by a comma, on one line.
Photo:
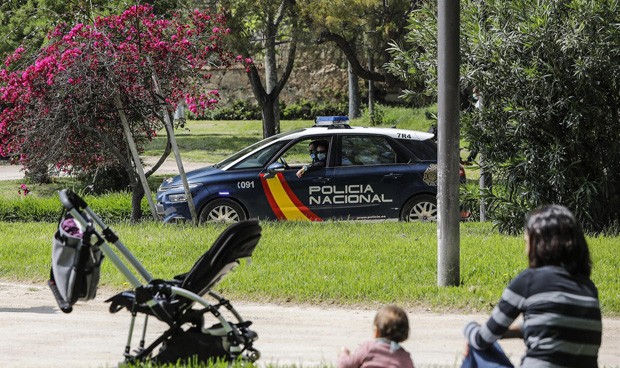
{"points": [[318, 154]]}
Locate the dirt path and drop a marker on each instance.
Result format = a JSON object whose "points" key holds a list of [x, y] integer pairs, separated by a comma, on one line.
{"points": [[34, 333]]}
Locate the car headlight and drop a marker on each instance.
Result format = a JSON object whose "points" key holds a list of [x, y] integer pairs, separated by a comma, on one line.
{"points": [[180, 197], [177, 197]]}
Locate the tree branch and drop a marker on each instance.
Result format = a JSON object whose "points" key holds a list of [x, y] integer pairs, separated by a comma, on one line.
{"points": [[287, 70], [350, 54]]}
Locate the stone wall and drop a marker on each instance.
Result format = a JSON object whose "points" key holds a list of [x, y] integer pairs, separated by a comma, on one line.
{"points": [[312, 79]]}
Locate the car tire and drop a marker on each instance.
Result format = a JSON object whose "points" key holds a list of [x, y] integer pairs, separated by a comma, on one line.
{"points": [[421, 208], [222, 210]]}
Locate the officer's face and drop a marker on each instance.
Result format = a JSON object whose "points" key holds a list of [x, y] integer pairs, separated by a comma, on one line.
{"points": [[321, 153], [312, 151]]}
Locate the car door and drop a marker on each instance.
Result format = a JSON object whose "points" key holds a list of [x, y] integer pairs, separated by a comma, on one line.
{"points": [[371, 177], [291, 197]]}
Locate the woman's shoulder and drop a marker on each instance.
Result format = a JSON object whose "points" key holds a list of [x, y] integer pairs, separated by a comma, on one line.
{"points": [[542, 272], [523, 282]]}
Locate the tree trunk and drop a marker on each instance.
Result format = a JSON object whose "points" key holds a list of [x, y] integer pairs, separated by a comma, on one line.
{"points": [[354, 95], [271, 78], [137, 193], [371, 92], [269, 119], [268, 97]]}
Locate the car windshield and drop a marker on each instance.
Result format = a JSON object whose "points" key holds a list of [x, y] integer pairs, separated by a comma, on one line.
{"points": [[260, 157], [255, 146]]}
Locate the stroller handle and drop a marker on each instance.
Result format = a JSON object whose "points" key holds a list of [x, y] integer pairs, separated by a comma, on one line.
{"points": [[71, 200]]}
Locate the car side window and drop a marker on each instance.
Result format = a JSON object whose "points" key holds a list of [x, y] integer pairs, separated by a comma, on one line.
{"points": [[368, 150], [423, 150], [298, 153]]}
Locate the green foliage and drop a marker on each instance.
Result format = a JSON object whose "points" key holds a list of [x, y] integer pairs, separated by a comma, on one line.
{"points": [[238, 110], [399, 117], [321, 263], [358, 27], [302, 110], [30, 21], [550, 80], [111, 207], [105, 179], [310, 110]]}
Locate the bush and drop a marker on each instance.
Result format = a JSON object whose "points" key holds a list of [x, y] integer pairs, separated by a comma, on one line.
{"points": [[110, 207], [106, 179], [549, 126], [238, 110], [302, 110]]}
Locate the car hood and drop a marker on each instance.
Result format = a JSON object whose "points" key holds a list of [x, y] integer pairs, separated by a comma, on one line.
{"points": [[194, 176]]}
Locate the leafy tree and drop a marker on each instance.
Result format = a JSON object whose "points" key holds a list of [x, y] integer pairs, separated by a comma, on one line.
{"points": [[62, 104], [29, 21], [549, 74], [269, 30], [349, 23]]}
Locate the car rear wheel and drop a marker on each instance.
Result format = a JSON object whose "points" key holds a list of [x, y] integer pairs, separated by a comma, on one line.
{"points": [[420, 208], [222, 210]]}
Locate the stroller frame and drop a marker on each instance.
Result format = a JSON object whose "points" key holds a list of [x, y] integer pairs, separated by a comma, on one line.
{"points": [[162, 298]]}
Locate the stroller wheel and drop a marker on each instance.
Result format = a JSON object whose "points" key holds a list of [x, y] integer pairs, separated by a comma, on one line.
{"points": [[253, 354]]}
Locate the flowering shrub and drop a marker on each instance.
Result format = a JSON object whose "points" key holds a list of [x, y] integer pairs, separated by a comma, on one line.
{"points": [[58, 104], [23, 189]]}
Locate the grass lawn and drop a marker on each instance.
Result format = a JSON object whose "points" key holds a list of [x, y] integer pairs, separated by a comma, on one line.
{"points": [[342, 263]]}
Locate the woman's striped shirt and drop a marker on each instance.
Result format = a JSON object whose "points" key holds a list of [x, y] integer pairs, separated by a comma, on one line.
{"points": [[561, 318]]}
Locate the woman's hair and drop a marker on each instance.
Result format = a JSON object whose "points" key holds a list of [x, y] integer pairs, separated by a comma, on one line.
{"points": [[392, 323], [555, 238]]}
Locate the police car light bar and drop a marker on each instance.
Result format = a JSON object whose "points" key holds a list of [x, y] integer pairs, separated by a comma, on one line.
{"points": [[331, 120]]}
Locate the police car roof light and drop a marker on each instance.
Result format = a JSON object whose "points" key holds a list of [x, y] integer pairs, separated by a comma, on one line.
{"points": [[332, 121]]}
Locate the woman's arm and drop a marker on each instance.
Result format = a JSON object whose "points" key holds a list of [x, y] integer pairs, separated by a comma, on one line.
{"points": [[513, 332]]}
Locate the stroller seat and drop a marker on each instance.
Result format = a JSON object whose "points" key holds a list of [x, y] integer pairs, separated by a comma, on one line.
{"points": [[236, 242], [179, 303], [159, 299]]}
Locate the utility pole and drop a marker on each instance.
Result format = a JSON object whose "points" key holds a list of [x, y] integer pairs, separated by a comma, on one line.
{"points": [[448, 232]]}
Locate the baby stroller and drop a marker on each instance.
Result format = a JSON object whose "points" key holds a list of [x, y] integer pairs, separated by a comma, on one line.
{"points": [[79, 249]]}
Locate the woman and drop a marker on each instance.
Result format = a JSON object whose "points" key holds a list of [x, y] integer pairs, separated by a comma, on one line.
{"points": [[561, 314]]}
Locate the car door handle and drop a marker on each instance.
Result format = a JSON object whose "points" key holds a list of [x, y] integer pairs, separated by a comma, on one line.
{"points": [[321, 180], [392, 176]]}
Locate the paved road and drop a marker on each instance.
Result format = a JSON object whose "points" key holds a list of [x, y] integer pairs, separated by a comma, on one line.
{"points": [[169, 167], [10, 172], [34, 333]]}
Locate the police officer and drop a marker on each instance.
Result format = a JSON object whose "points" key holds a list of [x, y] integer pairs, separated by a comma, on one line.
{"points": [[318, 154]]}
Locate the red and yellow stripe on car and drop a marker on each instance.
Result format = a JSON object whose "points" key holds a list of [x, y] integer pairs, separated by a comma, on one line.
{"points": [[284, 202]]}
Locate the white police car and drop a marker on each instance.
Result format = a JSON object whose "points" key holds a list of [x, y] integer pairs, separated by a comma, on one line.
{"points": [[369, 173]]}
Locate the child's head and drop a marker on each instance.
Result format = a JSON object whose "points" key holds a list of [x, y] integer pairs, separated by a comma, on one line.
{"points": [[392, 323]]}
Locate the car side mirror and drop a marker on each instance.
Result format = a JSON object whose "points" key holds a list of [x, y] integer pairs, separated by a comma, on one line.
{"points": [[273, 169]]}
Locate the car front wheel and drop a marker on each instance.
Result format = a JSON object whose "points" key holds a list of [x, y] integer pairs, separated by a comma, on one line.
{"points": [[420, 208], [222, 210]]}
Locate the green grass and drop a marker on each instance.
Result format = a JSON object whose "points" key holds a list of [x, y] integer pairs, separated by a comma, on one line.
{"points": [[342, 263], [212, 141]]}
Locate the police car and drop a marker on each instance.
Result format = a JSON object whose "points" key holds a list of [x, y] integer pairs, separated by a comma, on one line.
{"points": [[369, 174]]}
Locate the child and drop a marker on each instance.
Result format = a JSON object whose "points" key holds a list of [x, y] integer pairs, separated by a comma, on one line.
{"points": [[391, 327]]}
